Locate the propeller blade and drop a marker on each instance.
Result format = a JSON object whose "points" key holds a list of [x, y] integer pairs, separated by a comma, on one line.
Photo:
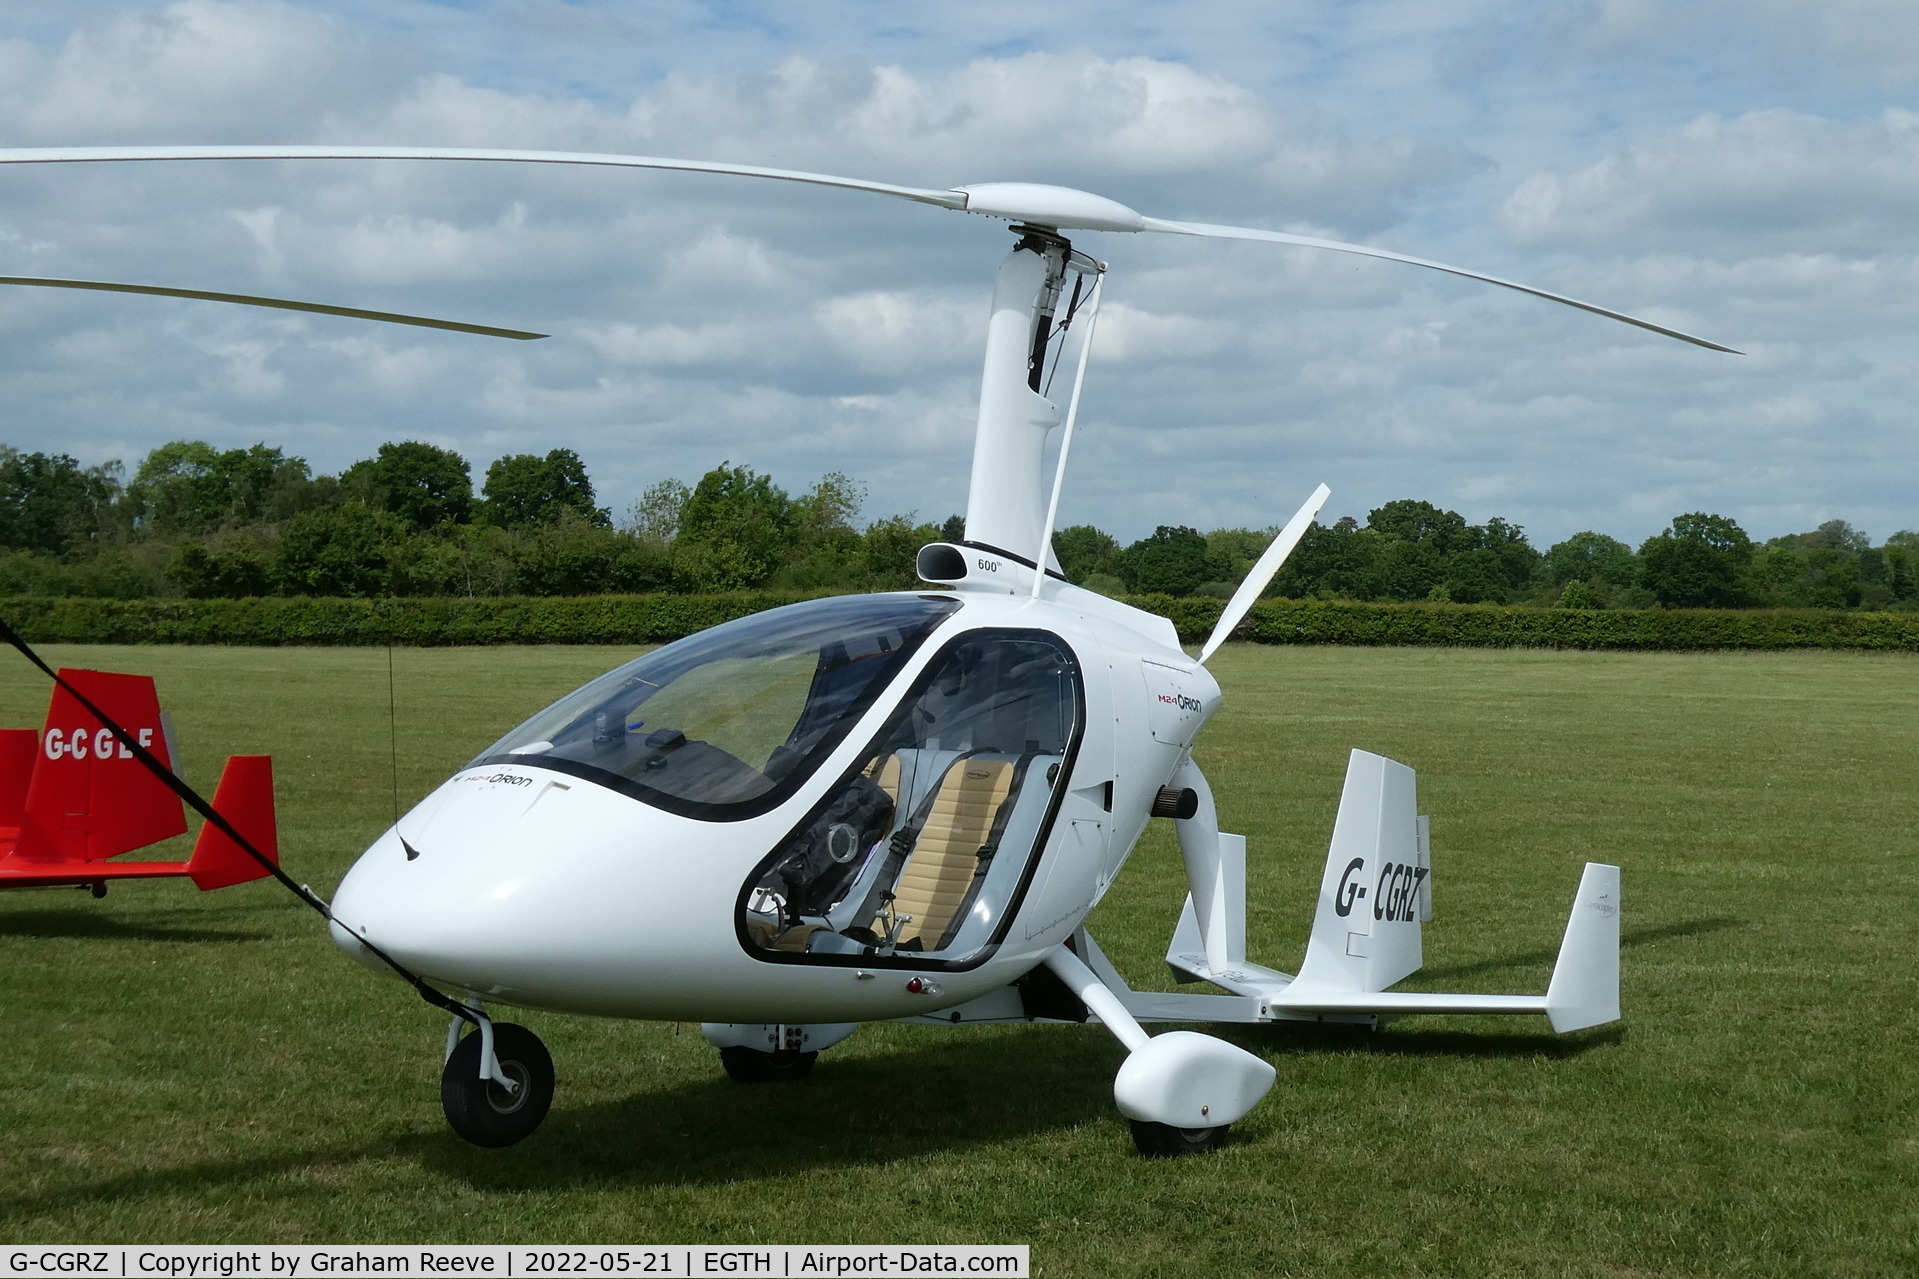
{"points": [[94, 155], [1263, 571], [1339, 246], [278, 304]]}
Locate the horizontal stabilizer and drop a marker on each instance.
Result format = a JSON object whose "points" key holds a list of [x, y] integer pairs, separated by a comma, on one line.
{"points": [[1405, 1003], [1585, 983], [244, 798]]}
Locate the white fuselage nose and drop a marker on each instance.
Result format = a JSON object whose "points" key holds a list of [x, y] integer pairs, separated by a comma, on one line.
{"points": [[539, 889]]}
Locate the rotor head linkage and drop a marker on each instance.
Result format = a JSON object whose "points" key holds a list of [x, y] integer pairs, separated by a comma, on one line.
{"points": [[1054, 249], [1060, 257]]}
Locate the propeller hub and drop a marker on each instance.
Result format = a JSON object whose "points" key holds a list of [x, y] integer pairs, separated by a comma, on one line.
{"points": [[1056, 208]]}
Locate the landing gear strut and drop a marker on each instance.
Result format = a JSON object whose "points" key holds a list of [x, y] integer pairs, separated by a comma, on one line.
{"points": [[504, 1109]]}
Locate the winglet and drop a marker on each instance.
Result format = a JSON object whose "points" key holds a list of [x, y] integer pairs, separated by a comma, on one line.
{"points": [[245, 798], [1585, 985]]}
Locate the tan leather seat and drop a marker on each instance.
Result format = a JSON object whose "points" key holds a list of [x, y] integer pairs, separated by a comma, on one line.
{"points": [[885, 773], [937, 878]]}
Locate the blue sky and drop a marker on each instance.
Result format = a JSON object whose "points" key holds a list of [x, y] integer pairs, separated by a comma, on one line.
{"points": [[1748, 171]]}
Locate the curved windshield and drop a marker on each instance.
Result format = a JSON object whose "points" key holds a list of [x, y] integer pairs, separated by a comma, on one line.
{"points": [[726, 723]]}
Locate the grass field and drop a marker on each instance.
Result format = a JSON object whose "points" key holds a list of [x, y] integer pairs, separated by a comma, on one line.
{"points": [[183, 1067]]}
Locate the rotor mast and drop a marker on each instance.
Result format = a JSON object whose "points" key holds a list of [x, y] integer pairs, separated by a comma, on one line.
{"points": [[1006, 504]]}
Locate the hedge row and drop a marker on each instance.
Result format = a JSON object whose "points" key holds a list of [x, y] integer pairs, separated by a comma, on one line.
{"points": [[627, 619], [1491, 626], [586, 619]]}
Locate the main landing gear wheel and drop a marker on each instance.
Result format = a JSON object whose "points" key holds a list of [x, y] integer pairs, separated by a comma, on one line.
{"points": [[484, 1111], [751, 1066], [1163, 1141]]}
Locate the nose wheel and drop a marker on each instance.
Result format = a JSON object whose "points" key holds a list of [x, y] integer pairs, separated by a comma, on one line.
{"points": [[1163, 1141], [505, 1109]]}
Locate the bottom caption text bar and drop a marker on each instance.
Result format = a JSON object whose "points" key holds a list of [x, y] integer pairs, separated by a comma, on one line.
{"points": [[313, 1261]]}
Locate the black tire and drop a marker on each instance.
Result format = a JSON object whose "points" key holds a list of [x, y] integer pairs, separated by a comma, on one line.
{"points": [[483, 1112], [751, 1066], [1163, 1141]]}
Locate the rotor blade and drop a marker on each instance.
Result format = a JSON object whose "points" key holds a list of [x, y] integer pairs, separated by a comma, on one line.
{"points": [[1263, 571], [1311, 242], [91, 155], [1056, 207], [278, 304]]}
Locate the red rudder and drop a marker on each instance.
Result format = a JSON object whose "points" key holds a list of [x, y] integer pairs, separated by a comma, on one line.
{"points": [[89, 798], [245, 798]]}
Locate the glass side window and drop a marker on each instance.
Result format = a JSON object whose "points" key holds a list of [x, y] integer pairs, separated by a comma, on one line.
{"points": [[726, 723], [921, 853]]}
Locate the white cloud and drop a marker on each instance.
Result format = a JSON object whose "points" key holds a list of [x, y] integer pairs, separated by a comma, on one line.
{"points": [[1128, 332], [1761, 177], [885, 328], [244, 369], [1646, 156], [395, 248], [671, 345], [201, 67]]}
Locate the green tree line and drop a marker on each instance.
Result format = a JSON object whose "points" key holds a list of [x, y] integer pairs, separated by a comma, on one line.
{"points": [[204, 523], [1413, 550], [200, 522]]}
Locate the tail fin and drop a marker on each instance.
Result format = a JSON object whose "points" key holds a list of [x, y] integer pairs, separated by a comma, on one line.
{"points": [[1585, 985], [90, 798], [1376, 887], [245, 798]]}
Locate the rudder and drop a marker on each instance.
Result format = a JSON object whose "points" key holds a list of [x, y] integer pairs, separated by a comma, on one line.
{"points": [[89, 798], [1375, 889], [245, 798]]}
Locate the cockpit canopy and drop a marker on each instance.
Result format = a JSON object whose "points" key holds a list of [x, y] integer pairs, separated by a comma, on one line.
{"points": [[921, 853], [725, 724]]}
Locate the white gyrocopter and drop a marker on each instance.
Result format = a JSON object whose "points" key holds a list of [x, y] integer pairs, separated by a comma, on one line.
{"points": [[896, 806]]}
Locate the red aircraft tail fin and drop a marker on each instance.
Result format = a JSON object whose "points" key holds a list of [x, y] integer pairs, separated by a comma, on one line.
{"points": [[245, 798], [89, 797]]}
